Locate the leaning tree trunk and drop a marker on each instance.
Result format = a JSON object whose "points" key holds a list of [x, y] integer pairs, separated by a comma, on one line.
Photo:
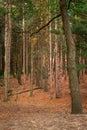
{"points": [[73, 79], [7, 44]]}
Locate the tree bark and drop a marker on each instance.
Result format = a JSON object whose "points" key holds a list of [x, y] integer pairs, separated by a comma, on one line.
{"points": [[32, 67], [24, 45], [57, 75], [7, 44], [27, 54], [73, 79], [51, 73]]}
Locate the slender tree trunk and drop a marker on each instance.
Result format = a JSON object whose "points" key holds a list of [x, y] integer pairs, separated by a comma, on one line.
{"points": [[1, 49], [24, 45], [50, 47], [31, 86], [1, 61], [14, 63], [51, 73], [73, 79], [27, 54], [83, 77], [60, 52], [19, 66], [7, 44], [57, 75]]}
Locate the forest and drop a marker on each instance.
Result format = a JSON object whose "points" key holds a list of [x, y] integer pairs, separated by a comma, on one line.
{"points": [[43, 64]]}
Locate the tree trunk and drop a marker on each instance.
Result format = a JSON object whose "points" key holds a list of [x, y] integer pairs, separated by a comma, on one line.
{"points": [[31, 86], [19, 62], [24, 45], [7, 44], [27, 54], [57, 75], [73, 79], [50, 65]]}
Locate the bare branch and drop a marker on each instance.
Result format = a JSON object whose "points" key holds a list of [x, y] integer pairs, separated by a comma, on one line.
{"points": [[57, 16]]}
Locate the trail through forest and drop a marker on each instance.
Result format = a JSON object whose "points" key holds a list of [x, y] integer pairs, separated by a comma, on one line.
{"points": [[40, 112]]}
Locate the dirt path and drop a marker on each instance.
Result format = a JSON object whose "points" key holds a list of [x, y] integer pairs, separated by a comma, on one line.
{"points": [[29, 117], [22, 112]]}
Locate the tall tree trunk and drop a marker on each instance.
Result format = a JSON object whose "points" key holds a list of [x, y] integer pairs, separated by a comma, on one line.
{"points": [[73, 79], [57, 84], [27, 54], [50, 65], [19, 66], [31, 86], [60, 52], [19, 61], [7, 44], [1, 60], [24, 45], [51, 73]]}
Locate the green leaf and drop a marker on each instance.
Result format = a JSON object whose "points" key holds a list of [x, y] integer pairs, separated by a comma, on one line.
{"points": [[81, 67]]}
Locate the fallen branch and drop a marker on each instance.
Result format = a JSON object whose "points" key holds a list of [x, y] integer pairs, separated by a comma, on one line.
{"points": [[23, 91]]}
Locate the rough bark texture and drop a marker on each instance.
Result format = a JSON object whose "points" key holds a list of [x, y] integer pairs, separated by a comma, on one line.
{"points": [[7, 44], [73, 79]]}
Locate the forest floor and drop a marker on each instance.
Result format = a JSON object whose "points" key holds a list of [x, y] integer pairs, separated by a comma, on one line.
{"points": [[40, 112]]}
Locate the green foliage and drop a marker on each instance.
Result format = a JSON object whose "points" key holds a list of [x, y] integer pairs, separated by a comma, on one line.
{"points": [[16, 12], [81, 67], [79, 29], [53, 6], [84, 54], [78, 14], [55, 31], [10, 91], [2, 10], [1, 73]]}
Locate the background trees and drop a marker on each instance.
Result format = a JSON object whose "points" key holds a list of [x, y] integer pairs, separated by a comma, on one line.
{"points": [[41, 52]]}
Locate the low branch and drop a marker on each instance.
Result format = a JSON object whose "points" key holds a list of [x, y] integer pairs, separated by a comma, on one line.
{"points": [[57, 16], [23, 91], [41, 28]]}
